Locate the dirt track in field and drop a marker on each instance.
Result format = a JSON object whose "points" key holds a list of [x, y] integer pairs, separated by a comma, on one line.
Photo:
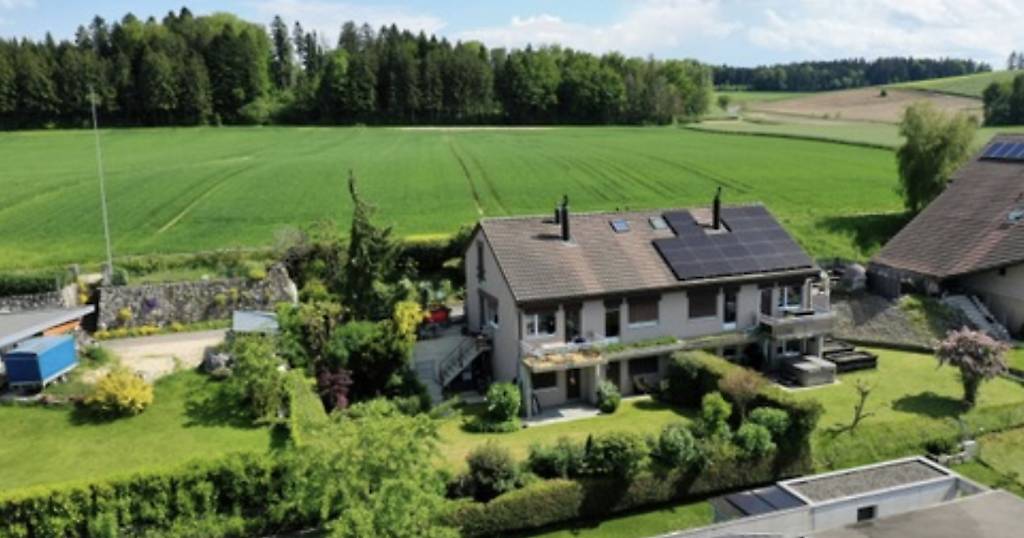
{"points": [[864, 104]]}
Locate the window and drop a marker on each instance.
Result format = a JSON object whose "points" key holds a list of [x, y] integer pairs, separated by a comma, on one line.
{"points": [[703, 303], [540, 324], [620, 226], [790, 297], [866, 513], [643, 311], [572, 322], [643, 366], [612, 375], [766, 301], [1002, 271], [480, 261], [611, 318], [658, 223], [729, 315], [791, 347], [546, 380], [491, 310]]}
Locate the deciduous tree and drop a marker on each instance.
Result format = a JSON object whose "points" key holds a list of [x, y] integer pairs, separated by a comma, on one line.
{"points": [[935, 145]]}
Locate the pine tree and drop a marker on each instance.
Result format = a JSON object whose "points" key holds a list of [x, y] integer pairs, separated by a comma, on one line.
{"points": [[282, 64]]}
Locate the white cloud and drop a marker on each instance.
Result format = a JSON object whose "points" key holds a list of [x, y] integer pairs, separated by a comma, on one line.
{"points": [[327, 17], [649, 26], [984, 29], [14, 4]]}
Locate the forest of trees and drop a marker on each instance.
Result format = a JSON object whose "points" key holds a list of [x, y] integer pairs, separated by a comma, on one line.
{"points": [[841, 74], [192, 70]]}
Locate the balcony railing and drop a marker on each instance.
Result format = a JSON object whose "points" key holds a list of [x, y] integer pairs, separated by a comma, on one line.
{"points": [[803, 323], [530, 349]]}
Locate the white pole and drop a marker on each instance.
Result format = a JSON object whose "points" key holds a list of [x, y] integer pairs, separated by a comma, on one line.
{"points": [[109, 270]]}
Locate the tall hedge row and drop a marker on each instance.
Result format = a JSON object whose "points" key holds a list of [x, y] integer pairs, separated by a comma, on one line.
{"points": [[11, 285], [240, 485]]}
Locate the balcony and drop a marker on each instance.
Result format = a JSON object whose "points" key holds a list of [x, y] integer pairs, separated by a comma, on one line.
{"points": [[804, 323]]}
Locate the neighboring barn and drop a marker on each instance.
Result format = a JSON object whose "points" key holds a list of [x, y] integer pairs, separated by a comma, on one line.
{"points": [[968, 243], [40, 361]]}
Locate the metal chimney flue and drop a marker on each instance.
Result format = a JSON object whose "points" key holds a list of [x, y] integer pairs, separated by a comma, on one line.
{"points": [[564, 218], [716, 210]]}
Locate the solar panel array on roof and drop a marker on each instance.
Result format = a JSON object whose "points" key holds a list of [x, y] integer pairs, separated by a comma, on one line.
{"points": [[752, 242], [1005, 151], [763, 500]]}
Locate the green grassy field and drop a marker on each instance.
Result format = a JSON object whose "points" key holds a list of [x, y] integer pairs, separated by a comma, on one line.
{"points": [[673, 518], [741, 97], [182, 190], [56, 445], [967, 85]]}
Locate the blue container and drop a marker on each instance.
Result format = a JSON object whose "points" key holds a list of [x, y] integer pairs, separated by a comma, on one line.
{"points": [[39, 361]]}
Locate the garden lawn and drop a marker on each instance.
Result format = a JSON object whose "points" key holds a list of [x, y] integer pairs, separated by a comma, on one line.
{"points": [[1015, 358], [913, 400], [195, 189], [1001, 461], [47, 446], [662, 520], [639, 415]]}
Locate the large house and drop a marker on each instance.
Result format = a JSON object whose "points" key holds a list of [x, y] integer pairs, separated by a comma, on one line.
{"points": [[970, 239], [569, 300]]}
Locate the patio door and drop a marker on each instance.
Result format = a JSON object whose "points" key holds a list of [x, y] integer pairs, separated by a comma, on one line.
{"points": [[572, 384]]}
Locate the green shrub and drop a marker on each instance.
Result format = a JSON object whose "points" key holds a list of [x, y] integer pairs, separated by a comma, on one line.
{"points": [[125, 315], [539, 504], [256, 382], [676, 446], [608, 397], [492, 471], [617, 454], [503, 402], [754, 440], [120, 392], [27, 284], [97, 356], [564, 459], [773, 419], [714, 416]]}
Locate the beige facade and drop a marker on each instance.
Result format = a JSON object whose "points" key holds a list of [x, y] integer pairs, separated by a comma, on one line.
{"points": [[537, 330], [1002, 290]]}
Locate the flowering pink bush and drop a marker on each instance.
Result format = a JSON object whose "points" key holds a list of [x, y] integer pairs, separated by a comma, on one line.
{"points": [[978, 356]]}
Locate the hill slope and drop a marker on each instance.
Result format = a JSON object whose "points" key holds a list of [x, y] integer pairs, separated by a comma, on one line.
{"points": [[967, 85]]}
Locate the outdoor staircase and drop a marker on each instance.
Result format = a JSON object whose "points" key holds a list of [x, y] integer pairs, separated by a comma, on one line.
{"points": [[440, 361], [978, 314]]}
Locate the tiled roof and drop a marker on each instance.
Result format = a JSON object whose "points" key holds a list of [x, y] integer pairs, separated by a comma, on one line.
{"points": [[539, 266], [967, 228]]}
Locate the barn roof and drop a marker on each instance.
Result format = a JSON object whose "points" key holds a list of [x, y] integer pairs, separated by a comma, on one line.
{"points": [[976, 224]]}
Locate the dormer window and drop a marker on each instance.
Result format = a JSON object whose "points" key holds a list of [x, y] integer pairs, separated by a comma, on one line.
{"points": [[658, 222]]}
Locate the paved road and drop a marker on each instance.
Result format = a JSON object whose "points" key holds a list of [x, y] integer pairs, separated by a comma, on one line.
{"points": [[154, 356]]}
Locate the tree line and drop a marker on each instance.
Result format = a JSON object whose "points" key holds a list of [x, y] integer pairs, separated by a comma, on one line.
{"points": [[1004, 102], [192, 70], [842, 74]]}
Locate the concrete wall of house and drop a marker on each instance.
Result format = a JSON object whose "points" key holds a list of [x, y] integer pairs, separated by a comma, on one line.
{"points": [[887, 503], [1002, 293], [505, 353]]}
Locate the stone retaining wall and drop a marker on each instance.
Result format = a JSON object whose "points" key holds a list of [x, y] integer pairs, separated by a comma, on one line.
{"points": [[190, 302], [36, 301]]}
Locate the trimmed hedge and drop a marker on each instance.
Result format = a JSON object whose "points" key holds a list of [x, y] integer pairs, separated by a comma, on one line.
{"points": [[27, 284], [691, 375], [555, 501], [306, 414], [241, 485]]}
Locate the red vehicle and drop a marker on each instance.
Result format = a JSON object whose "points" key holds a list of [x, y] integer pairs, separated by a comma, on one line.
{"points": [[434, 320]]}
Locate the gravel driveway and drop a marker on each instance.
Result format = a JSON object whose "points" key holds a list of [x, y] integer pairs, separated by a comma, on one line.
{"points": [[154, 356]]}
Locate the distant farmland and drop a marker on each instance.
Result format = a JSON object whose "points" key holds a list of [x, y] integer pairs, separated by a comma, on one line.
{"points": [[182, 190], [967, 85]]}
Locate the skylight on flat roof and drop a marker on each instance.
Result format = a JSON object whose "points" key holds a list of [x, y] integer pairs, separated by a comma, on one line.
{"points": [[620, 226]]}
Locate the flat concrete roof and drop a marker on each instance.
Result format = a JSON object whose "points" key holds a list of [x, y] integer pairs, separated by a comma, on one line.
{"points": [[992, 514], [860, 480], [18, 326]]}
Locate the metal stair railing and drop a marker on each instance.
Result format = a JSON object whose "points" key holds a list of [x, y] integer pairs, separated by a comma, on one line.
{"points": [[460, 357]]}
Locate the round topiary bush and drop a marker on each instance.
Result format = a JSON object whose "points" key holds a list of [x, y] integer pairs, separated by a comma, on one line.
{"points": [[503, 402], [754, 440], [676, 446], [608, 397], [492, 471], [617, 454]]}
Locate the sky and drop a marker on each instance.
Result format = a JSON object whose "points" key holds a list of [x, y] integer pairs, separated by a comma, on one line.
{"points": [[737, 32]]}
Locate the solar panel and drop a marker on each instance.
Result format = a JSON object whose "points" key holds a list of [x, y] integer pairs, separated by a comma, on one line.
{"points": [[749, 503], [620, 226], [757, 243], [1004, 151]]}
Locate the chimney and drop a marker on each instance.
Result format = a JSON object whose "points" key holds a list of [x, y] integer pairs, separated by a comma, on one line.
{"points": [[716, 210], [564, 218]]}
